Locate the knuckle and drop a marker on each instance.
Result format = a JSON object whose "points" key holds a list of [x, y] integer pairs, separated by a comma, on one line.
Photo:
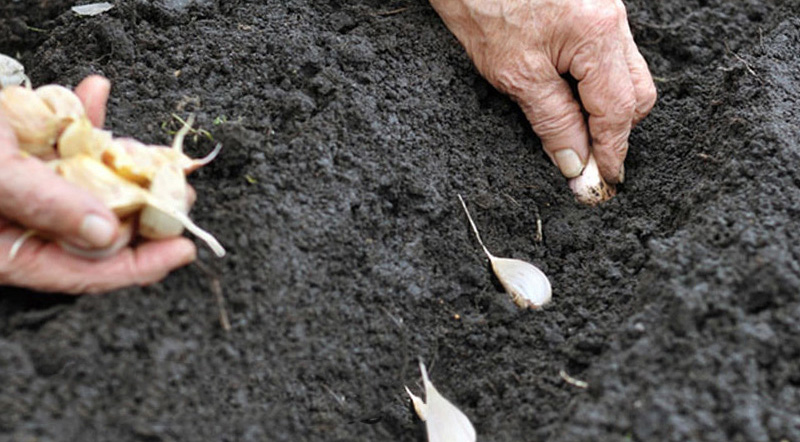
{"points": [[648, 100], [599, 18]]}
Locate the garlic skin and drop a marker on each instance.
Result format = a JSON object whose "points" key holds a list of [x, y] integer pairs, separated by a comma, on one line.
{"points": [[444, 422], [527, 285], [589, 187], [12, 73]]}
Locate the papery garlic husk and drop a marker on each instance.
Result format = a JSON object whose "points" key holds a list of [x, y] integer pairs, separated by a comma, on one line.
{"points": [[118, 194], [528, 286], [12, 73], [66, 106], [81, 138], [34, 124], [589, 187], [168, 185], [444, 422], [125, 235]]}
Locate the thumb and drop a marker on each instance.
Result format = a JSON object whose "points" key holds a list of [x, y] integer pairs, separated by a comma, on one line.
{"points": [[34, 196], [556, 117]]}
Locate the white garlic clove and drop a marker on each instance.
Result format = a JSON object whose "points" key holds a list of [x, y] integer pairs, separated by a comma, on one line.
{"points": [[527, 285], [12, 73], [34, 124], [590, 188], [66, 106], [444, 422], [169, 185]]}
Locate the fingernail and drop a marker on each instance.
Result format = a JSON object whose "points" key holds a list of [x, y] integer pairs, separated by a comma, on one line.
{"points": [[621, 177], [569, 163], [97, 231]]}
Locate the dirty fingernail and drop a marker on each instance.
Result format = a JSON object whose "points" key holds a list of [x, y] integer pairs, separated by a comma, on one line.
{"points": [[569, 163], [621, 177], [97, 231]]}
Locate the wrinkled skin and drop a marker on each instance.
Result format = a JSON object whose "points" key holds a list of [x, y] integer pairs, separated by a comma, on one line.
{"points": [[523, 47], [33, 196]]}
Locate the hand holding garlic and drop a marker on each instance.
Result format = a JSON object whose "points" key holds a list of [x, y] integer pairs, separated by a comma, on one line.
{"points": [[33, 196], [523, 47]]}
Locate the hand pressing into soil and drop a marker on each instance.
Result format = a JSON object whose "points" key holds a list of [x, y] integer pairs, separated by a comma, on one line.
{"points": [[33, 197], [523, 47]]}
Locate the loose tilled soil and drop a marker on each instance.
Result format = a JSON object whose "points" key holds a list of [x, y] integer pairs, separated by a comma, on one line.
{"points": [[349, 128]]}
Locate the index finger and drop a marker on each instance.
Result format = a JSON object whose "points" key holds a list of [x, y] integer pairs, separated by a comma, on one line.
{"points": [[93, 92]]}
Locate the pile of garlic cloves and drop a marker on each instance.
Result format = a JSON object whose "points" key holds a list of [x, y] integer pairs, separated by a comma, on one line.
{"points": [[145, 186]]}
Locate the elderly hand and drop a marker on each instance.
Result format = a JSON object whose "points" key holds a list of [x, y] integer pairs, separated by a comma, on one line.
{"points": [[33, 197], [523, 47]]}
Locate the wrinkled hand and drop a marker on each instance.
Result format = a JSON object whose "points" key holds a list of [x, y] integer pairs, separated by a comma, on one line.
{"points": [[523, 47], [34, 197]]}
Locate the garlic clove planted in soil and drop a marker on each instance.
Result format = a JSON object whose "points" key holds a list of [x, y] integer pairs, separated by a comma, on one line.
{"points": [[528, 286], [444, 422], [589, 187]]}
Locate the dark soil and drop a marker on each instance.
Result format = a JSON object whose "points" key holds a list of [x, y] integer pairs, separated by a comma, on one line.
{"points": [[349, 128]]}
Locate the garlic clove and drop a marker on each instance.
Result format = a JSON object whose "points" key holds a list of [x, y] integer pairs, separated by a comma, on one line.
{"points": [[184, 219], [444, 422], [81, 138], [589, 187], [169, 185], [528, 286], [66, 106], [34, 124], [118, 194]]}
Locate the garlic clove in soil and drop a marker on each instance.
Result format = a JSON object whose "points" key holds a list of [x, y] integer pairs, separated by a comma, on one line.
{"points": [[589, 187], [528, 286], [444, 422]]}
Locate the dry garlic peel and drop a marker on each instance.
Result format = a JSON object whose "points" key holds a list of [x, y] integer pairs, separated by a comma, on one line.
{"points": [[444, 422], [35, 125], [169, 185], [12, 73], [527, 285], [589, 187]]}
